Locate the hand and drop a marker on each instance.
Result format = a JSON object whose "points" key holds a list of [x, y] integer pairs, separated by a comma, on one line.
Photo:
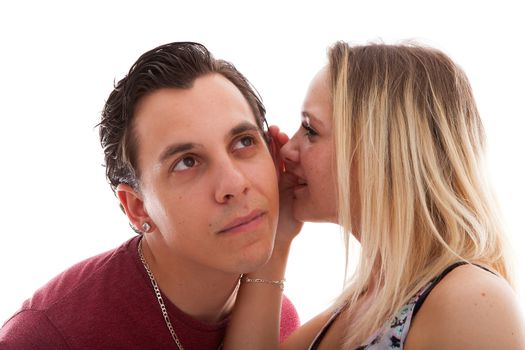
{"points": [[288, 226]]}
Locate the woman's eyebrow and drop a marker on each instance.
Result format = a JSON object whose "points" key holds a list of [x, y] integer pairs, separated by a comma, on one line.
{"points": [[308, 117]]}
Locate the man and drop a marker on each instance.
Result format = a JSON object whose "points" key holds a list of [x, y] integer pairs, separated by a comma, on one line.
{"points": [[186, 155]]}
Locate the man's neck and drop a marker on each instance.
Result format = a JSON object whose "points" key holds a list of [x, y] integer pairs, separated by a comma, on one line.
{"points": [[203, 293]]}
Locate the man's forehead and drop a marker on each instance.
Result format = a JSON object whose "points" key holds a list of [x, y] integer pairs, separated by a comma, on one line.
{"points": [[174, 117], [211, 96]]}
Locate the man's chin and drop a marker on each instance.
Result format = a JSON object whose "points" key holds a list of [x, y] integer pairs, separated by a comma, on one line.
{"points": [[254, 261]]}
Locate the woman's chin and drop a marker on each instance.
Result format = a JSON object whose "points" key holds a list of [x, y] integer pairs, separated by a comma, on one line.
{"points": [[305, 213]]}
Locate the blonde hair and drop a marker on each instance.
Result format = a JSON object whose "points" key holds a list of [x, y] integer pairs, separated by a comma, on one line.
{"points": [[409, 152]]}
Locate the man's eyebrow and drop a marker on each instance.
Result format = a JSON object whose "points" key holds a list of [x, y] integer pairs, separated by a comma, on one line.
{"points": [[172, 150], [243, 127]]}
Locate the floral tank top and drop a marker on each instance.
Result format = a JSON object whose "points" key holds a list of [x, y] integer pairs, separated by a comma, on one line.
{"points": [[393, 333]]}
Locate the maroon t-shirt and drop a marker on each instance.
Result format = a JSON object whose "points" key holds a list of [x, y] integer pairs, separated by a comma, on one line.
{"points": [[107, 302]]}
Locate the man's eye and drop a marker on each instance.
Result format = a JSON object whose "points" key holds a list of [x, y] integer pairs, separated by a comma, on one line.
{"points": [[243, 142], [185, 163]]}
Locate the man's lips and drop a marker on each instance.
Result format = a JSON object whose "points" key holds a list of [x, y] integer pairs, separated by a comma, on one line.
{"points": [[243, 221]]}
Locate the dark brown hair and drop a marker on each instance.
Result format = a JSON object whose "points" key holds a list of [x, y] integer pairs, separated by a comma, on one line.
{"points": [[173, 65]]}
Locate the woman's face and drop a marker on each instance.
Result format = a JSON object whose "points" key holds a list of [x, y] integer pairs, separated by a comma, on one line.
{"points": [[309, 155]]}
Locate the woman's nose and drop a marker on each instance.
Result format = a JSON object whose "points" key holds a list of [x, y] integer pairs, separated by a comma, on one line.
{"points": [[290, 152]]}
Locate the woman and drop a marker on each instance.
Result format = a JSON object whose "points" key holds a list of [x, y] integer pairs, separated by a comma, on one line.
{"points": [[391, 148]]}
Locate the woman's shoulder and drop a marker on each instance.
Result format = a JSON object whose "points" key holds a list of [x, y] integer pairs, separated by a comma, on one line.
{"points": [[470, 308], [303, 337]]}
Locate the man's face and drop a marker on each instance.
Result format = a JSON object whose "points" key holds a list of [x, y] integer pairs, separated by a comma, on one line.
{"points": [[207, 179]]}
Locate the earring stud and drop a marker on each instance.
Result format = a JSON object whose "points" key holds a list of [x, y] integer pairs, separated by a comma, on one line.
{"points": [[146, 227]]}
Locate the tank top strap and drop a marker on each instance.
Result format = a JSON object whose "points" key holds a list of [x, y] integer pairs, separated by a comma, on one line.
{"points": [[435, 281]]}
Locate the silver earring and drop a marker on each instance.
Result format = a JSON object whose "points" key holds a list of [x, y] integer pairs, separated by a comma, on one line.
{"points": [[146, 227]]}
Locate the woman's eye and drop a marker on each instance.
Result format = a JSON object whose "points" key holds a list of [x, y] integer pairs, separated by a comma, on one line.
{"points": [[243, 142], [309, 131], [185, 163]]}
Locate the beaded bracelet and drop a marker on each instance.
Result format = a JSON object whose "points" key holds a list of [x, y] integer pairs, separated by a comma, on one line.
{"points": [[279, 283]]}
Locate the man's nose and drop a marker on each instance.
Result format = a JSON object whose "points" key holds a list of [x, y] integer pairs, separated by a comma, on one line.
{"points": [[231, 181]]}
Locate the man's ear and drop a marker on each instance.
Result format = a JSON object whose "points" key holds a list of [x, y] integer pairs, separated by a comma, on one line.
{"points": [[133, 205]]}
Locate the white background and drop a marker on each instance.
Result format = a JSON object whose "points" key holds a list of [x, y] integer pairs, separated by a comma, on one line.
{"points": [[58, 61]]}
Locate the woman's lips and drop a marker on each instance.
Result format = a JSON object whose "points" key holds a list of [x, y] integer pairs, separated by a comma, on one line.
{"points": [[296, 181], [244, 223]]}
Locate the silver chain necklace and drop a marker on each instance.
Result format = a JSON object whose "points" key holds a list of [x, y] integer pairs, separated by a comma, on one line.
{"points": [[159, 297], [160, 300]]}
